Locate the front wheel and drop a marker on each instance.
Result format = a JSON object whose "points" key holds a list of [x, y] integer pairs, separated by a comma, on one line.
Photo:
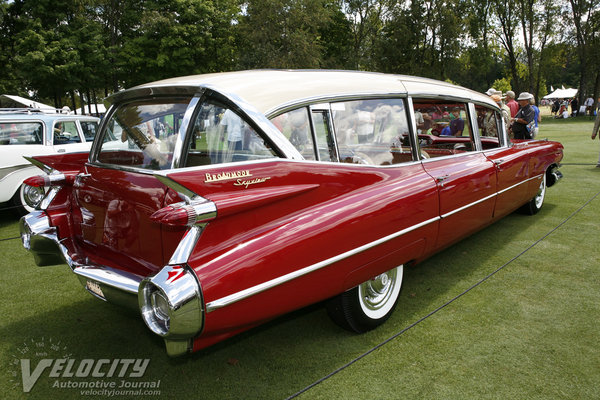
{"points": [[369, 304], [27, 198], [535, 204]]}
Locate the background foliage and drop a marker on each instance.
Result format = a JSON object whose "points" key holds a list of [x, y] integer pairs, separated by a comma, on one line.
{"points": [[67, 52]]}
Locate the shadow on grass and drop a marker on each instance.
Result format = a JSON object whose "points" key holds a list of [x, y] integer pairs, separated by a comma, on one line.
{"points": [[274, 360], [8, 217]]}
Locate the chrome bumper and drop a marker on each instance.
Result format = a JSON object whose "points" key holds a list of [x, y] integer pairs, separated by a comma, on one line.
{"points": [[553, 176], [108, 284], [184, 298]]}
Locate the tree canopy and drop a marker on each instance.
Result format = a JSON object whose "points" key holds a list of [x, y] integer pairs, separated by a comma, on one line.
{"points": [[69, 52]]}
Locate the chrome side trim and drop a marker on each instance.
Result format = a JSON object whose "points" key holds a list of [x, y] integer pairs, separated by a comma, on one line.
{"points": [[7, 171], [491, 196], [49, 197], [183, 129], [235, 297], [186, 245], [520, 183]]}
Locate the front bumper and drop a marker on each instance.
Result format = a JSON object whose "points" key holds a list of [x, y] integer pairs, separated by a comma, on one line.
{"points": [[184, 303], [553, 175]]}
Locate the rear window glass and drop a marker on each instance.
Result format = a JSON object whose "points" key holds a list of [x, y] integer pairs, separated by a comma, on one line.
{"points": [[89, 128], [12, 133], [143, 134]]}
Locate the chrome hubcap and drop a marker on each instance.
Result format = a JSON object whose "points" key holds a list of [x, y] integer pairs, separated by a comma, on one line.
{"points": [[32, 196], [378, 295]]}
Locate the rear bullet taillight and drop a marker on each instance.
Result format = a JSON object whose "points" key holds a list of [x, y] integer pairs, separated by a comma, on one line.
{"points": [[182, 214]]}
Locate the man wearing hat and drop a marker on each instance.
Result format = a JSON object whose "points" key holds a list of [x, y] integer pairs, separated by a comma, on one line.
{"points": [[511, 103], [522, 123]]}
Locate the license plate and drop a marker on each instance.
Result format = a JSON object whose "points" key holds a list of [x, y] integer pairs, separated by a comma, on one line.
{"points": [[94, 288]]}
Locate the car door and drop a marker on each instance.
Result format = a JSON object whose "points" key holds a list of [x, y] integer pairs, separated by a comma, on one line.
{"points": [[465, 177], [512, 169]]}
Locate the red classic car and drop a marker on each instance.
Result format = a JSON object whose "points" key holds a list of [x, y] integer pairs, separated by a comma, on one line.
{"points": [[216, 202]]}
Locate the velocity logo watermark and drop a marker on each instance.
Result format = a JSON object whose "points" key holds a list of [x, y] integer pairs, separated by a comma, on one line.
{"points": [[111, 377]]}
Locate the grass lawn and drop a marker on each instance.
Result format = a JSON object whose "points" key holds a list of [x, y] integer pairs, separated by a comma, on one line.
{"points": [[528, 331]]}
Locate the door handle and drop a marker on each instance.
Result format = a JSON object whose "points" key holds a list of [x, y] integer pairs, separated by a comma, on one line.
{"points": [[440, 179]]}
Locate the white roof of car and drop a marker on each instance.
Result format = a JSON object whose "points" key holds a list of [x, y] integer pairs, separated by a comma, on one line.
{"points": [[272, 90]]}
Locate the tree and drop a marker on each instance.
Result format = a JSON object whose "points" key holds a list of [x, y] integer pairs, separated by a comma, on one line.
{"points": [[506, 14], [424, 38], [283, 33], [582, 14]]}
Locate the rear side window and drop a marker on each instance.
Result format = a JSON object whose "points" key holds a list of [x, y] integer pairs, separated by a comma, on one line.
{"points": [[89, 128], [221, 135], [373, 132], [443, 127], [370, 132], [295, 125], [65, 132], [143, 134], [12, 133]]}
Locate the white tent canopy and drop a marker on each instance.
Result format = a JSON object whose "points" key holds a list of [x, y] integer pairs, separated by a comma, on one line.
{"points": [[562, 94], [100, 107], [10, 101]]}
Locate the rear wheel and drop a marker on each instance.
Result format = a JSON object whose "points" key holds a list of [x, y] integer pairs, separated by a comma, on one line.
{"points": [[535, 204], [27, 198], [368, 305]]}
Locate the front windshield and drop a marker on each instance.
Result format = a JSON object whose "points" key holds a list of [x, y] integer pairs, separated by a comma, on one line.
{"points": [[143, 134]]}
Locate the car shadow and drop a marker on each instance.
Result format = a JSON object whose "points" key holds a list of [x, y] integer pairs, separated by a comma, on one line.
{"points": [[270, 354]]}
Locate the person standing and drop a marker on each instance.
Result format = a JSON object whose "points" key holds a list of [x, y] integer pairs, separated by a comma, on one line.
{"points": [[522, 123], [589, 103], [511, 103], [574, 107], [595, 131], [537, 118]]}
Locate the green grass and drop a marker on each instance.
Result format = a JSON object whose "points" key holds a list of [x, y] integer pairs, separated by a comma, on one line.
{"points": [[530, 331]]}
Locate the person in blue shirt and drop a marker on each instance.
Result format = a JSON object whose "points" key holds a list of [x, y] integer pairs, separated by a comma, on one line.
{"points": [[522, 122], [537, 118], [457, 125]]}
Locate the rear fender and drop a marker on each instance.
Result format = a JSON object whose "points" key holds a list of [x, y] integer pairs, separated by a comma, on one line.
{"points": [[68, 163]]}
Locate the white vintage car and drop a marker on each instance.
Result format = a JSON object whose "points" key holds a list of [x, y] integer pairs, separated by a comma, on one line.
{"points": [[25, 133]]}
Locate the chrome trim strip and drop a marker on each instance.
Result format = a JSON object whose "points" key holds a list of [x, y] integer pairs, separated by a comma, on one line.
{"points": [[7, 171], [520, 183], [235, 297], [457, 210], [186, 245], [49, 197], [309, 101], [183, 129]]}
